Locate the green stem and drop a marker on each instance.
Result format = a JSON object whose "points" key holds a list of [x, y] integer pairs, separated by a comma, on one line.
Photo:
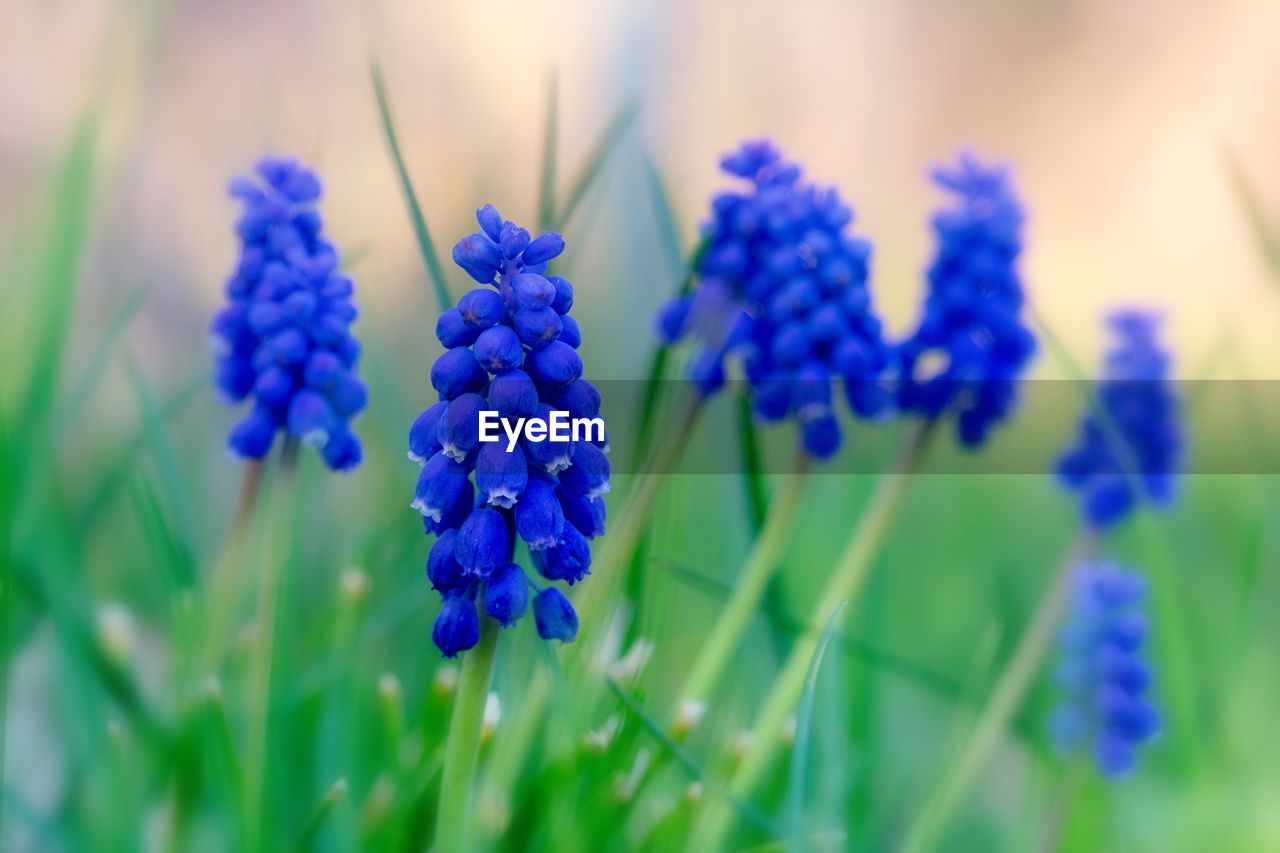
{"points": [[620, 542], [748, 590], [453, 818], [1004, 701], [224, 583], [849, 573], [275, 555]]}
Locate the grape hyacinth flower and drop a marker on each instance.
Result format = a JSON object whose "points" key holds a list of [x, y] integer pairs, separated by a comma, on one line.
{"points": [[971, 344], [1130, 449], [782, 284], [1103, 677], [510, 348], [284, 336]]}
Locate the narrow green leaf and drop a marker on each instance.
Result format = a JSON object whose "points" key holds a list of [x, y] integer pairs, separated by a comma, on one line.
{"points": [[177, 493], [426, 248], [800, 749], [125, 457], [665, 220], [336, 793], [594, 164], [752, 464], [1263, 233], [60, 277], [550, 141], [749, 812], [99, 360]]}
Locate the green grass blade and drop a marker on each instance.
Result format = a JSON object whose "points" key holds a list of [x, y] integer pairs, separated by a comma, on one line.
{"points": [[335, 795], [550, 141], [595, 162], [426, 248], [60, 276], [664, 219], [156, 433], [800, 749], [125, 457], [99, 360], [1263, 233], [748, 812], [752, 464]]}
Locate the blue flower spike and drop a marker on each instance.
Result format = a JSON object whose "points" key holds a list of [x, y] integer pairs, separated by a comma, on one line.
{"points": [[782, 288], [510, 352], [972, 344], [284, 338], [1103, 677], [1129, 449]]}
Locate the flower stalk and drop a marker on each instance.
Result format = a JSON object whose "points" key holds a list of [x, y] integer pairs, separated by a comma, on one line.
{"points": [[845, 581], [1004, 701], [462, 749], [748, 590]]}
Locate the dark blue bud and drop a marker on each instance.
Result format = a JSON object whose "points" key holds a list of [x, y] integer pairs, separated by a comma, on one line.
{"points": [[275, 386], [580, 399], [551, 456], [501, 475], [349, 395], [288, 346], [490, 221], [569, 560], [342, 452], [539, 516], [484, 543], [513, 239], [827, 325], [554, 616], [557, 364], [771, 398], [589, 473], [791, 345], [453, 331], [586, 514], [311, 418], [300, 305], [457, 627], [423, 442], [513, 395], [812, 386], [563, 300], [537, 327], [820, 434], [706, 372], [440, 484], [234, 378], [506, 595], [479, 256], [533, 291], [323, 370], [458, 431], [543, 248], [570, 333], [482, 309], [673, 318], [251, 437], [456, 372], [443, 569], [266, 318], [454, 514], [498, 349]]}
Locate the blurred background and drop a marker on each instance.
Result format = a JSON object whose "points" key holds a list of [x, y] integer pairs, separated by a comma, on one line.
{"points": [[1121, 122]]}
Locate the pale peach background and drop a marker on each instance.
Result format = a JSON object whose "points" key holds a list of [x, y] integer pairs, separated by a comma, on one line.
{"points": [[1115, 115]]}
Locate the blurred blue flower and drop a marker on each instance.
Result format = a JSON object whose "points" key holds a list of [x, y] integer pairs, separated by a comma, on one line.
{"points": [[510, 348], [1102, 676], [284, 337], [782, 284], [971, 344], [1130, 448]]}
